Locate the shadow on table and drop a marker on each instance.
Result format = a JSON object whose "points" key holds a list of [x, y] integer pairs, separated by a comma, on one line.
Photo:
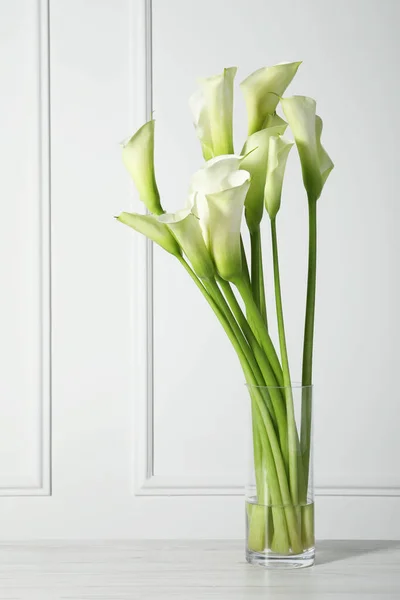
{"points": [[333, 551]]}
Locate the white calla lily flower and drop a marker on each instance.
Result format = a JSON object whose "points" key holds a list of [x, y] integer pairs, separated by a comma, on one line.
{"points": [[306, 126], [212, 109], [150, 226], [225, 211], [255, 161], [262, 90], [213, 177], [278, 153], [185, 227], [138, 158]]}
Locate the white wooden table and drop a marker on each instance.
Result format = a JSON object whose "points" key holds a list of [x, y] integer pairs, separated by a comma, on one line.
{"points": [[166, 570]]}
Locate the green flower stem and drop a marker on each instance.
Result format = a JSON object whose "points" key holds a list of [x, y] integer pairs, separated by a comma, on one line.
{"points": [[246, 362], [263, 303], [305, 436], [273, 453], [257, 274], [278, 484], [298, 487], [245, 266], [292, 431], [214, 291], [259, 329], [257, 529], [258, 458], [269, 377], [260, 515]]}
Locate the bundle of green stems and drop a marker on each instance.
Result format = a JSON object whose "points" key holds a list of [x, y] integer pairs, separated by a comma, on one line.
{"points": [[281, 452]]}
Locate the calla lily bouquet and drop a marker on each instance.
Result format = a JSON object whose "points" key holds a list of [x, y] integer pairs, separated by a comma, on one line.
{"points": [[205, 237]]}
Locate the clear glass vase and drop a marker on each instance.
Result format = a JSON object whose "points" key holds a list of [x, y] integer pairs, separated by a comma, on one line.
{"points": [[279, 489]]}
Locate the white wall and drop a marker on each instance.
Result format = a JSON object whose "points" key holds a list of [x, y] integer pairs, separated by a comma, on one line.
{"points": [[76, 79]]}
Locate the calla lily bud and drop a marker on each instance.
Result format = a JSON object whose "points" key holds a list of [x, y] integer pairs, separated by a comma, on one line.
{"points": [[212, 108], [278, 153], [255, 161], [262, 90], [185, 227], [153, 229], [224, 221], [138, 158], [306, 126]]}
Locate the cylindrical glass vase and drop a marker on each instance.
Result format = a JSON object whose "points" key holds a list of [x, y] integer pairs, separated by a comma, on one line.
{"points": [[279, 489]]}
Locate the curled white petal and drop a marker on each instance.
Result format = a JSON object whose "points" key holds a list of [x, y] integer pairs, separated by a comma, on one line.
{"points": [[201, 122], [255, 161], [176, 217], [138, 158], [212, 109], [325, 163], [151, 227], [262, 90], [225, 217], [279, 149], [215, 176], [185, 227], [212, 176], [306, 126], [218, 97], [202, 212]]}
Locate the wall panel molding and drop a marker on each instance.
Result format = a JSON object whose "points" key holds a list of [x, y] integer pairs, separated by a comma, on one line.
{"points": [[146, 482], [41, 483], [142, 256]]}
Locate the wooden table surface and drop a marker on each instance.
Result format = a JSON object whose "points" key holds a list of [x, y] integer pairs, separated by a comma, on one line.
{"points": [[195, 570]]}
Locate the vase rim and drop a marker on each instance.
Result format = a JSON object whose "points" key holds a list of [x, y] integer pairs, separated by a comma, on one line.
{"points": [[294, 385]]}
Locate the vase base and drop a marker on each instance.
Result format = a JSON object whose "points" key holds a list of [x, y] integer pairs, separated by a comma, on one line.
{"points": [[270, 560]]}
